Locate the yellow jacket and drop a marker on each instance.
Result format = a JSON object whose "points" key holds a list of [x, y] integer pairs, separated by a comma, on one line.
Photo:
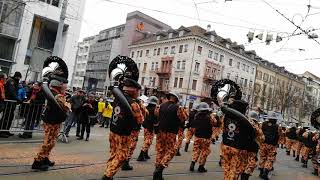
{"points": [[107, 111], [101, 106]]}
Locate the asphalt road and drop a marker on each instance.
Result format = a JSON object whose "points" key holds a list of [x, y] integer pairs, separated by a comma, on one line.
{"points": [[81, 160]]}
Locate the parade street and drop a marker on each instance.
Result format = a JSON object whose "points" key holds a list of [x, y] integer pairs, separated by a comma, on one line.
{"points": [[86, 160]]}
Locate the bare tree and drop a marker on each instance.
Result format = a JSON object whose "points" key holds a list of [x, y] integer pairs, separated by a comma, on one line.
{"points": [[16, 4]]}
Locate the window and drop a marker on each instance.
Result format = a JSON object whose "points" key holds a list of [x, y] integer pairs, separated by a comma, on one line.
{"points": [[181, 33], [139, 65], [230, 62], [158, 53], [221, 58], [228, 75], [250, 84], [265, 77], [142, 81], [178, 64], [138, 53], [245, 83], [243, 67], [252, 70], [144, 67], [247, 69], [147, 53], [173, 49], [180, 82], [259, 75], [132, 54], [238, 65], [215, 57], [180, 48], [170, 35], [210, 54], [152, 66], [194, 84], [175, 82], [141, 53], [183, 65], [186, 48], [156, 66], [165, 51], [241, 81], [199, 50], [236, 78], [196, 67], [154, 52]]}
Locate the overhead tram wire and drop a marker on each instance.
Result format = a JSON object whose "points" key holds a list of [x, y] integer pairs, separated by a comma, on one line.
{"points": [[304, 31], [189, 17]]}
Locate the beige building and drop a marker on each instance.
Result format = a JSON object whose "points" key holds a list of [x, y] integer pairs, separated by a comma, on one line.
{"points": [[278, 90], [189, 59]]}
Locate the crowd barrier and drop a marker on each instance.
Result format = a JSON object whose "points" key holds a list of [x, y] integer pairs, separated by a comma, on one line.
{"points": [[21, 117]]}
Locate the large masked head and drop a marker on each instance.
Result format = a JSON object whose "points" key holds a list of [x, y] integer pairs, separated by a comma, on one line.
{"points": [[315, 119], [224, 91]]}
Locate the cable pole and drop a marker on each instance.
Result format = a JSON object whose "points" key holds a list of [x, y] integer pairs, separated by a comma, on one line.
{"points": [[58, 42]]}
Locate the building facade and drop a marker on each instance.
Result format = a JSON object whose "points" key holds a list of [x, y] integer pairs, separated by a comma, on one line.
{"points": [[81, 61], [277, 89], [38, 33], [113, 42], [11, 13], [188, 60]]}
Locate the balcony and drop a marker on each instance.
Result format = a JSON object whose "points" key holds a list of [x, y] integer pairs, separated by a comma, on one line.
{"points": [[164, 72], [209, 77], [205, 94], [10, 30]]}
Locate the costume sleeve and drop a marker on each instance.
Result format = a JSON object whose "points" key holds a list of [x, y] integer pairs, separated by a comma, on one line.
{"points": [[137, 112], [182, 114], [156, 110], [260, 136]]}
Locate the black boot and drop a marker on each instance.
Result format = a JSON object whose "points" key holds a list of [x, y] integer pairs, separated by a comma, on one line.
{"points": [[297, 158], [48, 162], [146, 156], [220, 160], [80, 138], [178, 153], [282, 146], [201, 169], [141, 156], [106, 178], [213, 141], [87, 138], [294, 154], [305, 164], [192, 166], [126, 166], [265, 174], [261, 172], [288, 153], [186, 147], [40, 165], [245, 176], [157, 174], [315, 172]]}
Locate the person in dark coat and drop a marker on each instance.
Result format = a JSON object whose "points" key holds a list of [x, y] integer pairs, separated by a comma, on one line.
{"points": [[89, 108], [33, 109], [76, 102], [11, 94]]}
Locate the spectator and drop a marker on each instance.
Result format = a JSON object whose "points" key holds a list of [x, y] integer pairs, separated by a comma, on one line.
{"points": [[3, 78], [89, 108], [22, 94], [33, 109], [107, 113], [11, 94], [76, 102], [101, 106]]}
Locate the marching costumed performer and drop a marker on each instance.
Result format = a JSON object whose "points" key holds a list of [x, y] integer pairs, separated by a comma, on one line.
{"points": [[127, 113], [191, 129], [203, 122], [170, 116], [268, 149], [291, 138], [148, 125], [315, 122], [55, 76]]}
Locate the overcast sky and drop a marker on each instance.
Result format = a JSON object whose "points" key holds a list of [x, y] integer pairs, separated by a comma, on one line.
{"points": [[230, 20]]}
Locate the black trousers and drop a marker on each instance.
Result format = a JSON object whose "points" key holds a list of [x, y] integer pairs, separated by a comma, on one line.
{"points": [[85, 127], [8, 115]]}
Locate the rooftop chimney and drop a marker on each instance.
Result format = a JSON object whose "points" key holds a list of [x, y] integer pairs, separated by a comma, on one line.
{"points": [[208, 28]]}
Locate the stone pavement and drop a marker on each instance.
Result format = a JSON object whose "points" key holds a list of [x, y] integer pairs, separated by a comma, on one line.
{"points": [[81, 160]]}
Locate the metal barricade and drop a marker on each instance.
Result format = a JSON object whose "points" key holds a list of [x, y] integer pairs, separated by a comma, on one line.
{"points": [[24, 117]]}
